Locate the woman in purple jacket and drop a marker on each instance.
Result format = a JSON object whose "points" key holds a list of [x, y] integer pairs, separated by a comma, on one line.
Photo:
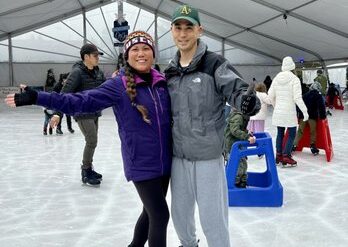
{"points": [[141, 104]]}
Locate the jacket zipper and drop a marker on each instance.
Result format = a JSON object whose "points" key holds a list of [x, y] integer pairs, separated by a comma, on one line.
{"points": [[159, 127], [159, 99], [180, 130]]}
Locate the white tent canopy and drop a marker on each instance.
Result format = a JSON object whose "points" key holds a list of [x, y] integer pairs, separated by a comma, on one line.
{"points": [[312, 30], [253, 34]]}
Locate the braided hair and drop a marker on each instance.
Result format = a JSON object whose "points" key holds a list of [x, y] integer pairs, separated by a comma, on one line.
{"points": [[132, 93]]}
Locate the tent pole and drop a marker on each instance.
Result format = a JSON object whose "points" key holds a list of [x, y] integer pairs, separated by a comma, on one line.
{"points": [[84, 26], [223, 47], [10, 60]]}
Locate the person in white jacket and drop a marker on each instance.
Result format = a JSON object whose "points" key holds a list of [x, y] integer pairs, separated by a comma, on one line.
{"points": [[285, 93], [257, 122]]}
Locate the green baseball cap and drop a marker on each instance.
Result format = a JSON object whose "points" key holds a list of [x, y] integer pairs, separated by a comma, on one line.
{"points": [[186, 12]]}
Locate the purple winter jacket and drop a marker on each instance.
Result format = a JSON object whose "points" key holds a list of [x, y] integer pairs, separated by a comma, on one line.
{"points": [[146, 148]]}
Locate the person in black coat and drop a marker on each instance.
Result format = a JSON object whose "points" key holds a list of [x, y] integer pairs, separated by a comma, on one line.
{"points": [[316, 110], [332, 91], [50, 80], [267, 82], [304, 87], [58, 88], [86, 75]]}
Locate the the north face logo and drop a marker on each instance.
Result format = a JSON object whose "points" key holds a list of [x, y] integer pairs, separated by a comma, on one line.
{"points": [[196, 80]]}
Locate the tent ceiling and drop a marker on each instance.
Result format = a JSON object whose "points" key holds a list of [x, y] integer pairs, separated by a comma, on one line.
{"points": [[20, 16], [286, 4], [314, 30], [259, 26]]}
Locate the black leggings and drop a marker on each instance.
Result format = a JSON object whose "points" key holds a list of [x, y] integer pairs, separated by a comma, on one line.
{"points": [[152, 223]]}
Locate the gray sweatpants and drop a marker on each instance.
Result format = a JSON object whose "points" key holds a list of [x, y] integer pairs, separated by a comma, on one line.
{"points": [[204, 183], [89, 128]]}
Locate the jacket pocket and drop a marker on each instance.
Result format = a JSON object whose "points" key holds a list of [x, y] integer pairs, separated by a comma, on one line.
{"points": [[146, 152]]}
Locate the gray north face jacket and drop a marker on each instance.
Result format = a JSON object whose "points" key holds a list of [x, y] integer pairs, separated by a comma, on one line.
{"points": [[198, 96]]}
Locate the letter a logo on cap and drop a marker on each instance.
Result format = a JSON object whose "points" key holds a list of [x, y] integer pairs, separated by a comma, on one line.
{"points": [[185, 10]]}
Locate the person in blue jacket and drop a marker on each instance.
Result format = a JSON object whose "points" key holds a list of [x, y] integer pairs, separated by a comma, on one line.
{"points": [[141, 104]]}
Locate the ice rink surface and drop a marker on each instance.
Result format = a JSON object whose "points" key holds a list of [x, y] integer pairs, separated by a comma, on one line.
{"points": [[43, 204]]}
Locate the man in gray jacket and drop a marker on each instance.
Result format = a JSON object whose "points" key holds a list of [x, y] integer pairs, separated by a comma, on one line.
{"points": [[199, 83], [87, 75]]}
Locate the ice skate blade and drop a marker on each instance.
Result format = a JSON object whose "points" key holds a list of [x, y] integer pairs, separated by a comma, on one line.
{"points": [[90, 185], [288, 165]]}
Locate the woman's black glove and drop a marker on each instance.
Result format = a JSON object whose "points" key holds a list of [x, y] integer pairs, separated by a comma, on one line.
{"points": [[28, 97]]}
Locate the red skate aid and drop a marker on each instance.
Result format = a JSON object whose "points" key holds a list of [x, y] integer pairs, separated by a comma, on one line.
{"points": [[323, 138], [337, 102]]}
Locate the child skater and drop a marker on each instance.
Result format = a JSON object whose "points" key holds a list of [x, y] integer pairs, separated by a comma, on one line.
{"points": [[236, 130], [257, 122]]}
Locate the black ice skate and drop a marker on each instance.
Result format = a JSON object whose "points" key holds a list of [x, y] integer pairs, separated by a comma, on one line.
{"points": [[59, 132], [97, 175], [87, 177], [314, 150], [241, 185]]}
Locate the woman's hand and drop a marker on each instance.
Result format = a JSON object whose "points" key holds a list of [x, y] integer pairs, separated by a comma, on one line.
{"points": [[10, 100], [28, 97], [54, 121]]}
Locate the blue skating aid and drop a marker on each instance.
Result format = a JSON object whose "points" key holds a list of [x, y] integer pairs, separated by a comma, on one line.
{"points": [[264, 189]]}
